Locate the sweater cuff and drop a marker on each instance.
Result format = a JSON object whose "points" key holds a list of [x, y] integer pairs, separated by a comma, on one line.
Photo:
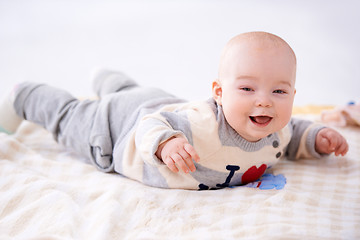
{"points": [[311, 140]]}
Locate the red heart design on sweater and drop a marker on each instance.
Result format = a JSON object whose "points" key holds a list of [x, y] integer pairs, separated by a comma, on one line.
{"points": [[253, 174]]}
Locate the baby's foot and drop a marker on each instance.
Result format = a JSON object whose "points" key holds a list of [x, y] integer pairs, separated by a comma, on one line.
{"points": [[108, 81], [9, 120]]}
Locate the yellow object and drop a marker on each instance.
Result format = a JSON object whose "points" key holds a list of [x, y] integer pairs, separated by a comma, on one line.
{"points": [[311, 109]]}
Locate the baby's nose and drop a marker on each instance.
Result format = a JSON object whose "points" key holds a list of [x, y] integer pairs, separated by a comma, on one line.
{"points": [[263, 100]]}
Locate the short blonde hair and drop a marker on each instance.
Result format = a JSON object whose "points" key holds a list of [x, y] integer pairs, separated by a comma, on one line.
{"points": [[261, 37]]}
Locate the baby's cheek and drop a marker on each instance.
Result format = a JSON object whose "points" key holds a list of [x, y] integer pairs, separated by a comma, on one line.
{"points": [[284, 114]]}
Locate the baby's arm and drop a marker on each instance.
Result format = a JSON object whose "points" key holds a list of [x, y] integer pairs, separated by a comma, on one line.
{"points": [[177, 150], [328, 141]]}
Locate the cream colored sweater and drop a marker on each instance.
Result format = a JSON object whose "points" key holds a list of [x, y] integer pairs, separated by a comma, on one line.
{"points": [[226, 158]]}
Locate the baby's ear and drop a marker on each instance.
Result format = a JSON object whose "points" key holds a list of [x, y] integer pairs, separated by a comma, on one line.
{"points": [[217, 91]]}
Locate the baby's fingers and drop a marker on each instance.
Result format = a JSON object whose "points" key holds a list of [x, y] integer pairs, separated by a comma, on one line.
{"points": [[187, 159], [191, 150], [342, 148], [170, 164], [180, 162], [334, 142], [328, 141]]}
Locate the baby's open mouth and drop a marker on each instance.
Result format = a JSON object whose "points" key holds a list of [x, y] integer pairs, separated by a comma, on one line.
{"points": [[261, 120]]}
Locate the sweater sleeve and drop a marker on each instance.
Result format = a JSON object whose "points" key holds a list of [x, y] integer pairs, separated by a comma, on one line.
{"points": [[157, 128], [302, 143]]}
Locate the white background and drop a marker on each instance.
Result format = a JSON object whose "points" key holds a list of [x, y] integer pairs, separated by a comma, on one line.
{"points": [[176, 44]]}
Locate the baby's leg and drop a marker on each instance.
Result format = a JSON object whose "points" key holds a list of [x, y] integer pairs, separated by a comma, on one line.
{"points": [[67, 118], [107, 81]]}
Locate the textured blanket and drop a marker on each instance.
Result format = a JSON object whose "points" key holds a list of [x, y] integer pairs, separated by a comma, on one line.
{"points": [[48, 192]]}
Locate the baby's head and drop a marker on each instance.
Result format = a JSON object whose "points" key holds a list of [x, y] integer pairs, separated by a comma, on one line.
{"points": [[256, 84]]}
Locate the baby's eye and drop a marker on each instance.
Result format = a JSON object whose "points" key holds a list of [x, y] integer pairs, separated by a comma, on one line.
{"points": [[246, 89], [279, 91]]}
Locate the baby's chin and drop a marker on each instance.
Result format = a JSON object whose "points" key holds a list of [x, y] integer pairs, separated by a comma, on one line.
{"points": [[255, 137]]}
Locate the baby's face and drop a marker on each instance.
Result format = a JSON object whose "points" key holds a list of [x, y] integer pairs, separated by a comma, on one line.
{"points": [[256, 89]]}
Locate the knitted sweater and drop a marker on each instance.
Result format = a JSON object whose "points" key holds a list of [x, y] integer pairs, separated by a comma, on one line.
{"points": [[226, 158]]}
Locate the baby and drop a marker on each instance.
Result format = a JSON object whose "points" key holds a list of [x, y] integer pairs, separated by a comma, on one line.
{"points": [[160, 140]]}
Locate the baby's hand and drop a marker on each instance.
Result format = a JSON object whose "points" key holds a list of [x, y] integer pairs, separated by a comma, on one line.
{"points": [[178, 150], [328, 141]]}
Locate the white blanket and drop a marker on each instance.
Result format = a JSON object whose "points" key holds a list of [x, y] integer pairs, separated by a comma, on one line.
{"points": [[47, 193]]}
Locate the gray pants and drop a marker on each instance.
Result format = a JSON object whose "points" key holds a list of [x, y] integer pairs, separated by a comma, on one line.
{"points": [[90, 127]]}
